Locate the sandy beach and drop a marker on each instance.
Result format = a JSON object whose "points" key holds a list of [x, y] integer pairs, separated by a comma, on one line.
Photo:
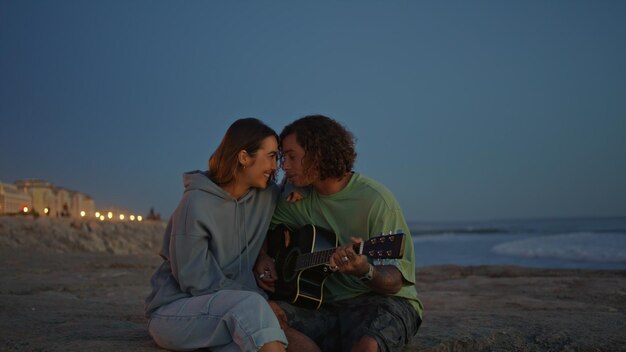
{"points": [[79, 285]]}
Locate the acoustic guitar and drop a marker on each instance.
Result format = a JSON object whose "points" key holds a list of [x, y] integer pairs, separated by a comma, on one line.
{"points": [[302, 260]]}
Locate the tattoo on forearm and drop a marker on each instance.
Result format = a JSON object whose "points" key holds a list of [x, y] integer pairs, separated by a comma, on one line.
{"points": [[387, 279]]}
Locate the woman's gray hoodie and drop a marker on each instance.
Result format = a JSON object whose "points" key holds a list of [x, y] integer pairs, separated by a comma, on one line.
{"points": [[211, 242]]}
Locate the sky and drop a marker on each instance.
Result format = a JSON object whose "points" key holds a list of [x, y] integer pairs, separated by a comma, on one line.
{"points": [[465, 110]]}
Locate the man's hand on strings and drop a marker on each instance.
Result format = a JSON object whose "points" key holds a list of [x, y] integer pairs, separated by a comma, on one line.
{"points": [[346, 260]]}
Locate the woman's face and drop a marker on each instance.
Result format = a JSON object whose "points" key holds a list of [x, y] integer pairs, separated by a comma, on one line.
{"points": [[263, 165]]}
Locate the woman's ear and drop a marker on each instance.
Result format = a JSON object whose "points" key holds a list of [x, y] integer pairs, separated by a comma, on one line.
{"points": [[244, 158]]}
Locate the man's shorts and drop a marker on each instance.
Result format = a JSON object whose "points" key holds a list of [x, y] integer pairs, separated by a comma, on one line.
{"points": [[336, 326]]}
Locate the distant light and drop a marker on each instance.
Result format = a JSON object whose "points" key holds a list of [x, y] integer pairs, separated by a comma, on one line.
{"points": [[121, 216], [101, 217], [98, 214], [110, 215], [25, 209], [82, 213], [139, 218], [46, 210], [132, 218]]}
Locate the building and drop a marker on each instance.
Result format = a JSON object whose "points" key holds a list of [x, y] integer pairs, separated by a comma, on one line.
{"points": [[80, 203], [12, 199], [48, 199], [45, 199]]}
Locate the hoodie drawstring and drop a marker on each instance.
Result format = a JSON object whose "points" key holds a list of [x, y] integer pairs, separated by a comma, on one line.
{"points": [[240, 215], [245, 235], [237, 233]]}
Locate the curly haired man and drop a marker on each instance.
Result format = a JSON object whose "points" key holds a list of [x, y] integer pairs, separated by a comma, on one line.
{"points": [[369, 304]]}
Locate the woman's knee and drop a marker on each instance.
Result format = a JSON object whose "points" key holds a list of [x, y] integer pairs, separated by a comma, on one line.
{"points": [[254, 309]]}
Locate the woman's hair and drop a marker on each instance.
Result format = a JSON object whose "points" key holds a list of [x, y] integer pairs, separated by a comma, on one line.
{"points": [[328, 146], [244, 134]]}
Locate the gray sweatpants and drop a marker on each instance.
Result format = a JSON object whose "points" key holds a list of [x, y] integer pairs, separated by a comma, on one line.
{"points": [[227, 320]]}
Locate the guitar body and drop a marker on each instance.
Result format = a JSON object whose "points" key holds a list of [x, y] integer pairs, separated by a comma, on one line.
{"points": [[302, 259], [305, 287]]}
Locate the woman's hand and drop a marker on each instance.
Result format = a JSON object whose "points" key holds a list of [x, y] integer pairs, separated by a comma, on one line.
{"points": [[265, 272], [294, 197]]}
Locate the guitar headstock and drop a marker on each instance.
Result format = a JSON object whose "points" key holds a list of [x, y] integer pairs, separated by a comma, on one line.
{"points": [[389, 246]]}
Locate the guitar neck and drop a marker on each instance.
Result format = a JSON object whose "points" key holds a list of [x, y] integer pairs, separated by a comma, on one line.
{"points": [[383, 247], [309, 260]]}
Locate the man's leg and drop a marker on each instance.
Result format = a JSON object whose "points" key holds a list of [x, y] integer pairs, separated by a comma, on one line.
{"points": [[298, 341], [388, 321], [316, 326], [366, 344]]}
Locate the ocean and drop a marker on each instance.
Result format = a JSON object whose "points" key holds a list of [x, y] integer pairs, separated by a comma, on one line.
{"points": [[574, 243]]}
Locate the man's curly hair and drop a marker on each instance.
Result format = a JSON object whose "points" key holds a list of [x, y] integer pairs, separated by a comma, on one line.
{"points": [[328, 146]]}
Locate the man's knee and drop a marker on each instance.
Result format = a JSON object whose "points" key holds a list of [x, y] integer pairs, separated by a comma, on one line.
{"points": [[366, 344]]}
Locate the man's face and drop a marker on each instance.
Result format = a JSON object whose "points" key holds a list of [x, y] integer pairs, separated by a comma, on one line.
{"points": [[292, 163]]}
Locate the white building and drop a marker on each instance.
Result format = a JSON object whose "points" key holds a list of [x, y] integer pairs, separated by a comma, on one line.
{"points": [[12, 199], [48, 199]]}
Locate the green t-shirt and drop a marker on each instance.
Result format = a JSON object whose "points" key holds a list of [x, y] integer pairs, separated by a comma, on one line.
{"points": [[365, 209]]}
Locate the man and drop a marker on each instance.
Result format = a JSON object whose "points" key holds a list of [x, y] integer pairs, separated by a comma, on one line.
{"points": [[368, 304]]}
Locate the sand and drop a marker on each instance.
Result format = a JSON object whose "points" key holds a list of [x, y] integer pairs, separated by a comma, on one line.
{"points": [[79, 285]]}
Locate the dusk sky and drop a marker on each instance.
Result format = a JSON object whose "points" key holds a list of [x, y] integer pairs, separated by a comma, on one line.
{"points": [[466, 110]]}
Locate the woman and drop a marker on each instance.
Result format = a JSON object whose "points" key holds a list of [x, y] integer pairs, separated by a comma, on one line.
{"points": [[205, 293]]}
